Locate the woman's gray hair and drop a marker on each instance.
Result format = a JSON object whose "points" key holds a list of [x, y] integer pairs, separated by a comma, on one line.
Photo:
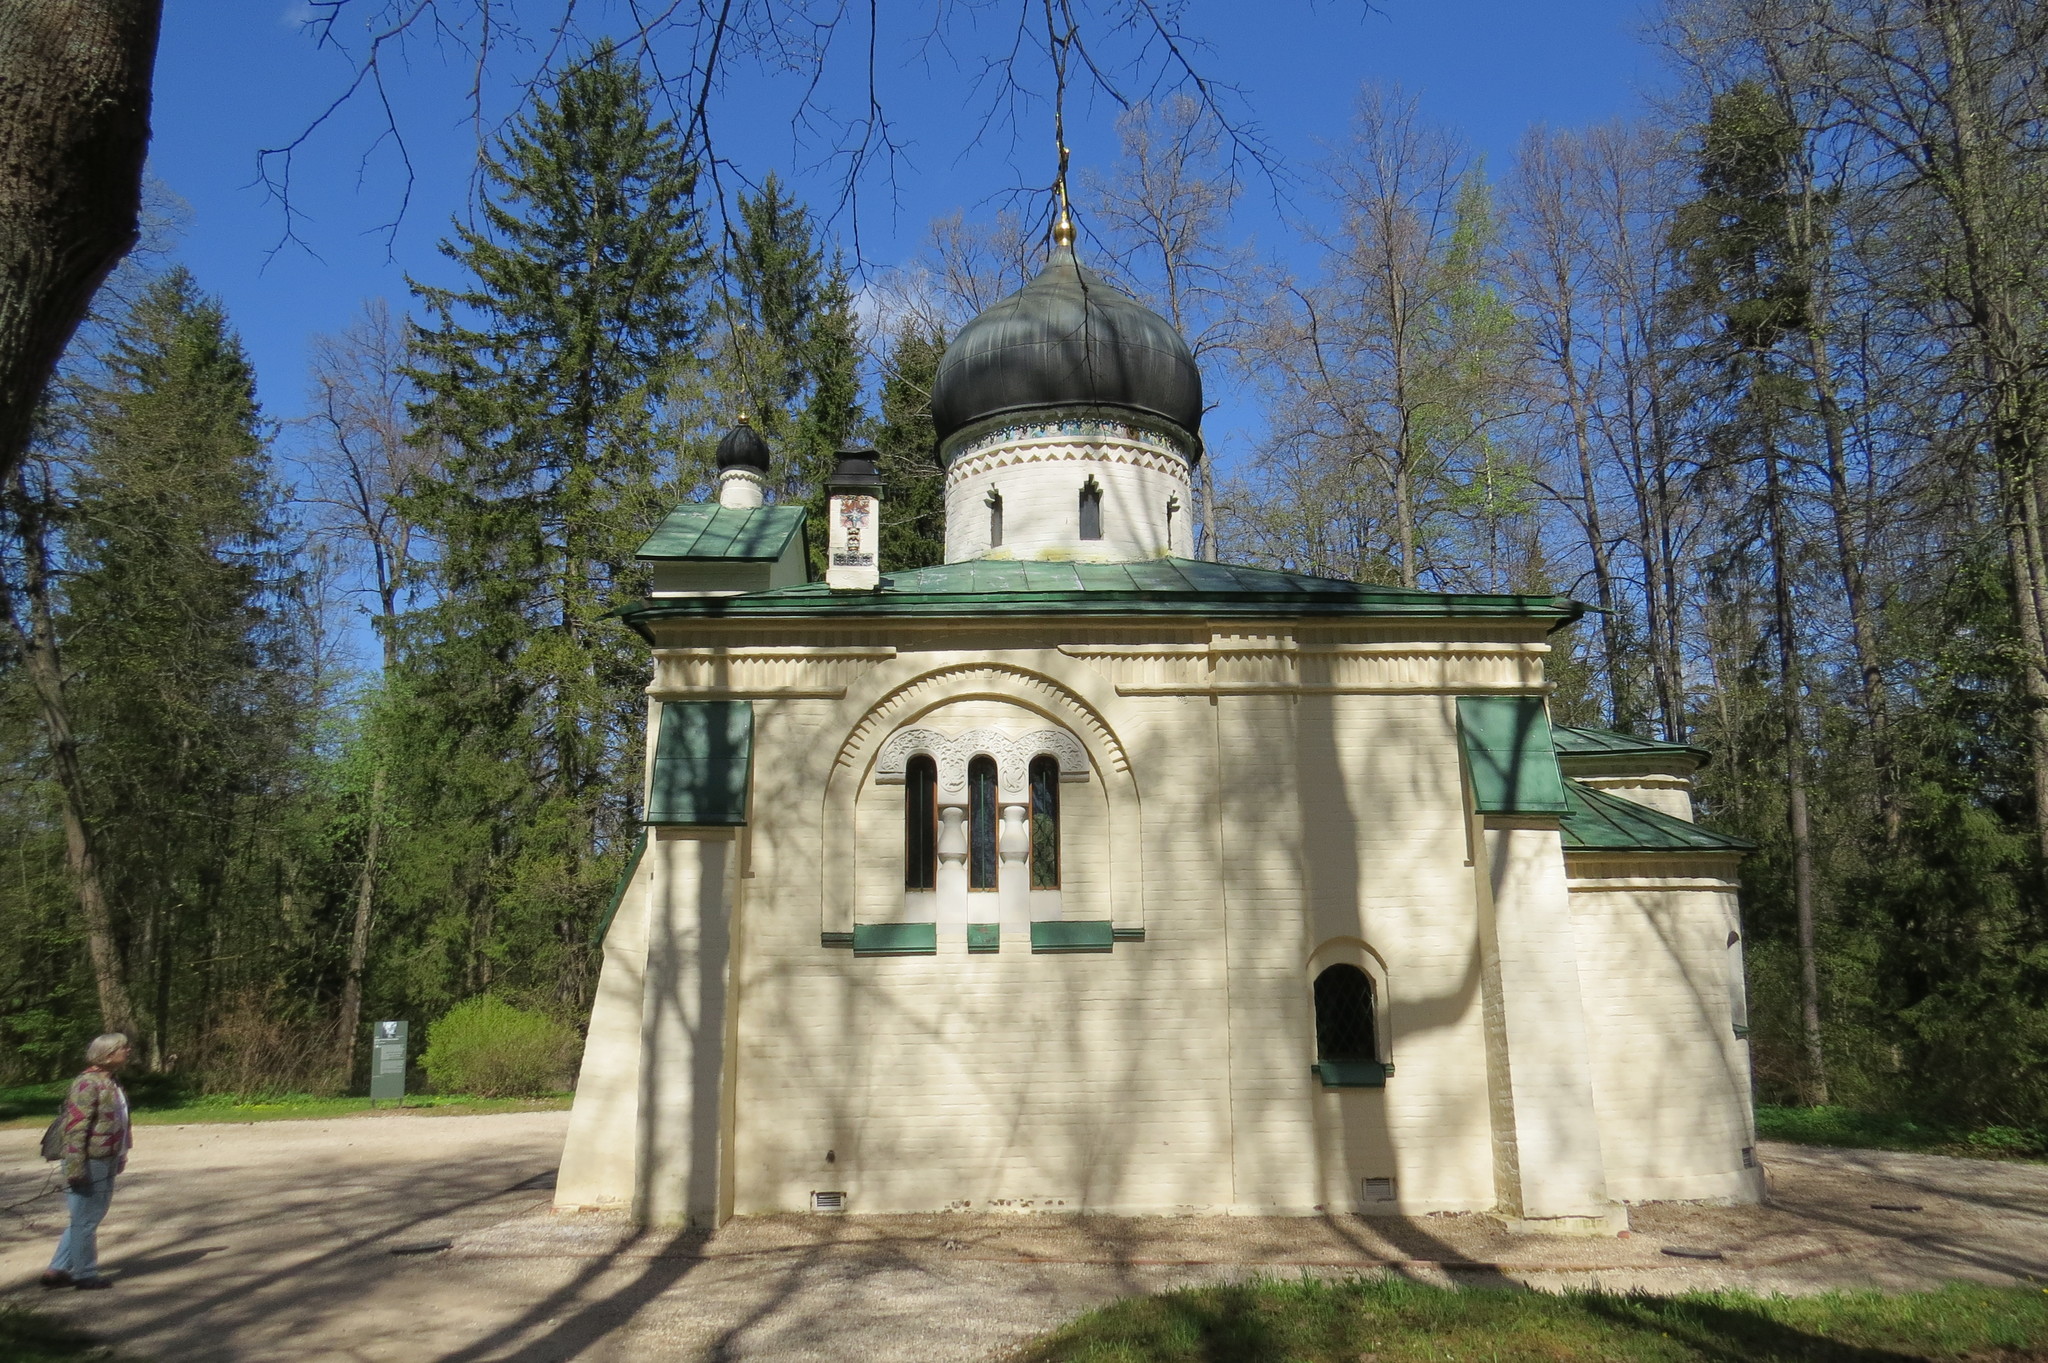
{"points": [[103, 1047]]}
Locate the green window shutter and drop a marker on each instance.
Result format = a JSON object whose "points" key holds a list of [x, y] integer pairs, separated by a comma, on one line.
{"points": [[895, 939], [1081, 936], [1509, 753], [701, 763]]}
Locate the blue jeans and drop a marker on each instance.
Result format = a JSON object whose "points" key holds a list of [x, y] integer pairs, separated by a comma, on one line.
{"points": [[78, 1253]]}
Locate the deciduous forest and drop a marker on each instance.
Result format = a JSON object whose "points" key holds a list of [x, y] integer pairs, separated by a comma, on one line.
{"points": [[305, 724]]}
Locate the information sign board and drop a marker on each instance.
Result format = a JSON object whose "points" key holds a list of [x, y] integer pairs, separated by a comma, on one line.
{"points": [[387, 1060]]}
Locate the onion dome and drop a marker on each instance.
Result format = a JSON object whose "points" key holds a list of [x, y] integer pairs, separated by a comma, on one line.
{"points": [[1067, 339], [743, 448]]}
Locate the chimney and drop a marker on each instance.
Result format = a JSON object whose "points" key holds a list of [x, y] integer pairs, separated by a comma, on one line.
{"points": [[854, 522]]}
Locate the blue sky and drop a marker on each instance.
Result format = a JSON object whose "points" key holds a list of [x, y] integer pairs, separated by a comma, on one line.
{"points": [[235, 76]]}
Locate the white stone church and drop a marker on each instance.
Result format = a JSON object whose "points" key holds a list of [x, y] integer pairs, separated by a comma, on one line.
{"points": [[1077, 875]]}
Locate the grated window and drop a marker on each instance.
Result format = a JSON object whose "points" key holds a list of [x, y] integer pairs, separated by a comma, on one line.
{"points": [[1379, 1190], [1344, 1025], [1045, 823], [828, 1202], [921, 824], [981, 823], [1749, 1157]]}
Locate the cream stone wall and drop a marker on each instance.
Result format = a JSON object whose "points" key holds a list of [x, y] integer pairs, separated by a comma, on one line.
{"points": [[1258, 798], [1658, 973]]}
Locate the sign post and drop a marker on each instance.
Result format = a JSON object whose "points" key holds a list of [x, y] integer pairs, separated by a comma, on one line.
{"points": [[387, 1061]]}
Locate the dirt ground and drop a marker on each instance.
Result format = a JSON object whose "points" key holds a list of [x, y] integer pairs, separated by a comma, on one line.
{"points": [[429, 1240]]}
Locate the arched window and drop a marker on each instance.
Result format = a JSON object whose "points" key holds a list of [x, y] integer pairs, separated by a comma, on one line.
{"points": [[981, 821], [1045, 823], [1172, 510], [921, 824], [1091, 509], [1344, 1027], [995, 518]]}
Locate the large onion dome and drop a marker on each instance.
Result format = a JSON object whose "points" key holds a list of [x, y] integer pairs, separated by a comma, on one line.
{"points": [[1068, 339], [743, 448]]}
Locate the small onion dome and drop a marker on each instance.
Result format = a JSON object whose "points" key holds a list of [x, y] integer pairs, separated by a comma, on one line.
{"points": [[1067, 339], [743, 448]]}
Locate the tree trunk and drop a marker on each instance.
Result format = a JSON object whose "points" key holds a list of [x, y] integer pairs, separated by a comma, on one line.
{"points": [[46, 675], [1621, 705], [359, 933], [74, 128], [1797, 818], [1208, 511]]}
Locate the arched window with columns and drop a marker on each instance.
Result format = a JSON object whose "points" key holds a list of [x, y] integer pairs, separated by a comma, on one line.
{"points": [[921, 823], [982, 814]]}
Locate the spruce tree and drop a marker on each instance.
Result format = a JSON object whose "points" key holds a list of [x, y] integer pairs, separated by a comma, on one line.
{"points": [[550, 381], [177, 632], [792, 347], [913, 484]]}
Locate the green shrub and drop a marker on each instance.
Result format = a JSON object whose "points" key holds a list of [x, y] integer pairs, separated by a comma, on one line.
{"points": [[491, 1049]]}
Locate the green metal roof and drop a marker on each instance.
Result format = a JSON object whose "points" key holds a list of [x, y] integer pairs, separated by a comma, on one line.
{"points": [[748, 534], [701, 763], [1166, 586], [1508, 753], [1595, 821], [1576, 741]]}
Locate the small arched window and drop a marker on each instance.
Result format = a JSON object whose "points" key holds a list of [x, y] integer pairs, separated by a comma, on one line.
{"points": [[1091, 509], [981, 820], [1045, 823], [1172, 510], [995, 518], [921, 824], [1344, 1015]]}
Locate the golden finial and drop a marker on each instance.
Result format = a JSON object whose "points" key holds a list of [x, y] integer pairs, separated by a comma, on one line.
{"points": [[743, 418], [1063, 230]]}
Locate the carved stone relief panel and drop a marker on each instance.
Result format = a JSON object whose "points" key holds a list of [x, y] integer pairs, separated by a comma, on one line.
{"points": [[952, 752]]}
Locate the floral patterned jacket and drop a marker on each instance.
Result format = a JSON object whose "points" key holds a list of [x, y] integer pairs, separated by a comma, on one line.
{"points": [[95, 1125]]}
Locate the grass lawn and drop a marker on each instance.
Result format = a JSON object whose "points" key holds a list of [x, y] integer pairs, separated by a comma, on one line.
{"points": [[1390, 1320], [1883, 1131], [31, 1337], [156, 1104]]}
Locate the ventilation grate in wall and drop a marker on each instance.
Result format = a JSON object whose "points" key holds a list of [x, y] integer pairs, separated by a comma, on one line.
{"points": [[828, 1202], [1749, 1157], [1379, 1190]]}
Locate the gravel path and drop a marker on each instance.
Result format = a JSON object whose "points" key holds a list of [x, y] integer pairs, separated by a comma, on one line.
{"points": [[275, 1241]]}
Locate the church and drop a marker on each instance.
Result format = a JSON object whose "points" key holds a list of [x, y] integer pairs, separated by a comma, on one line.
{"points": [[1078, 875]]}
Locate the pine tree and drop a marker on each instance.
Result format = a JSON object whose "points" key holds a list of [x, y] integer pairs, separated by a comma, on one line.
{"points": [[550, 383], [913, 484]]}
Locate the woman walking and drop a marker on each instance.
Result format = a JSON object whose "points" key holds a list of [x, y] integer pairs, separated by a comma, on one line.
{"points": [[95, 1129]]}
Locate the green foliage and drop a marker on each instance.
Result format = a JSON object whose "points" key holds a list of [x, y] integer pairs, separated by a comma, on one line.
{"points": [[1392, 1320], [913, 484], [551, 388], [31, 1337], [791, 348], [491, 1049], [1846, 1127]]}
